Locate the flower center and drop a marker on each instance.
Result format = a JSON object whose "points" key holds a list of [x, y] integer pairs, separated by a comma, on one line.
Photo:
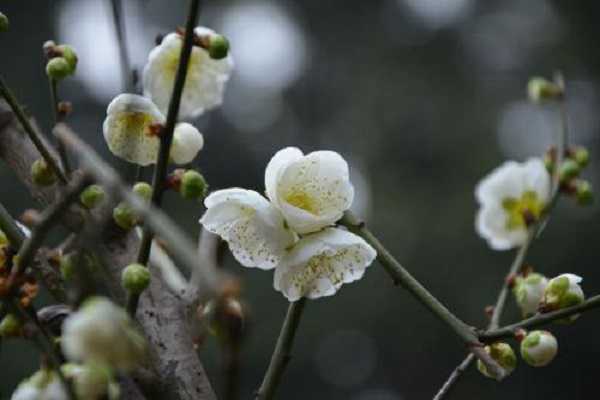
{"points": [[134, 121], [302, 200], [522, 211]]}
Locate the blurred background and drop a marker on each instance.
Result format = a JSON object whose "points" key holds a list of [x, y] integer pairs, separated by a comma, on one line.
{"points": [[423, 97]]}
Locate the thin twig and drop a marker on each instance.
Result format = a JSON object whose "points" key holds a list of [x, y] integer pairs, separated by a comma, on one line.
{"points": [[15, 236], [33, 134], [126, 70], [62, 152], [282, 354]]}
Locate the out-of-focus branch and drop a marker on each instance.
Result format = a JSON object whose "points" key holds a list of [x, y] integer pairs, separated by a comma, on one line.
{"points": [[124, 62]]}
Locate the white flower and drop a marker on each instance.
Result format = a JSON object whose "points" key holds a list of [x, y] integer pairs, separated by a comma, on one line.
{"points": [[26, 392], [91, 381], [187, 142], [127, 128], [205, 81], [100, 332], [539, 348], [320, 263], [312, 191], [254, 229], [510, 197], [562, 292], [529, 292], [43, 385]]}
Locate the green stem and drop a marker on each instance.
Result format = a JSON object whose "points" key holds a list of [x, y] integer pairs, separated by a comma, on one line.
{"points": [[282, 353]]}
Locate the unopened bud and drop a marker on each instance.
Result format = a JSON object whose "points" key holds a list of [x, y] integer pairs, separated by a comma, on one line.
{"points": [[569, 170], [539, 348], [541, 89], [503, 354], [4, 24], [584, 193], [64, 108], [581, 156], [124, 216], [529, 292], [67, 266], [218, 47], [92, 196], [3, 239], [143, 189], [562, 292], [41, 173], [58, 68], [10, 326], [193, 185], [135, 278], [69, 54]]}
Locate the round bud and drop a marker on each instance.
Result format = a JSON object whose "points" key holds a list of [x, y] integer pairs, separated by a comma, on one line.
{"points": [[135, 278], [69, 54], [562, 292], [218, 47], [67, 266], [92, 196], [144, 190], [10, 326], [539, 348], [503, 354], [3, 23], [584, 193], [58, 68], [581, 156], [569, 170], [41, 174], [541, 89], [529, 292], [193, 185], [124, 216]]}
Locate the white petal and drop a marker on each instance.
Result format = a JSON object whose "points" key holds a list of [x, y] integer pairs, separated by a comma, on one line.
{"points": [[26, 392], [537, 178], [491, 225], [205, 81], [320, 263], [253, 228], [126, 128], [573, 279], [504, 181], [187, 142], [276, 166]]}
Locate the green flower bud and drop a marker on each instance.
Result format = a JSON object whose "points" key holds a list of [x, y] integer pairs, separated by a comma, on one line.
{"points": [[144, 190], [503, 354], [67, 266], [529, 292], [69, 54], [193, 185], [582, 156], [584, 193], [541, 89], [58, 68], [3, 23], [92, 196], [569, 170], [135, 278], [539, 348], [218, 47], [3, 239], [124, 216], [41, 174], [10, 326], [562, 292]]}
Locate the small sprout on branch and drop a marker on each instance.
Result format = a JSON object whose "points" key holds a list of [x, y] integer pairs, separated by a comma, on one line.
{"points": [[135, 278], [144, 190], [583, 192], [193, 185], [125, 217], [503, 354], [42, 174], [218, 47], [529, 291], [541, 89], [562, 292], [4, 24], [539, 348], [92, 196], [10, 326]]}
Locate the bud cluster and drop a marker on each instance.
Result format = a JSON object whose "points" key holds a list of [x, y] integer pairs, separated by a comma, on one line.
{"points": [[575, 161], [62, 60], [123, 215]]}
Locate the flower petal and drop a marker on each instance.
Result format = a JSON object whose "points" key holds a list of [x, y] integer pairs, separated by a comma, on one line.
{"points": [[252, 227], [491, 225], [187, 142], [320, 263], [276, 166]]}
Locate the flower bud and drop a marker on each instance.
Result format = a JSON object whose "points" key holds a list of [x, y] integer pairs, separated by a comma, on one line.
{"points": [[503, 354], [41, 173], [3, 239], [58, 68], [3, 23], [193, 185], [581, 156], [67, 266], [584, 193], [539, 348], [124, 216], [144, 190], [70, 56], [529, 292], [135, 278], [562, 292], [92, 196], [90, 381], [218, 47], [541, 89], [569, 170], [10, 326]]}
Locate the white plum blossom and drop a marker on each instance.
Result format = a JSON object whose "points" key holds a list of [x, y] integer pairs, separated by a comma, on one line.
{"points": [[562, 292], [320, 263], [539, 348], [101, 332], [127, 128], [529, 291], [43, 385], [205, 81], [511, 197], [312, 191], [253, 228], [187, 142]]}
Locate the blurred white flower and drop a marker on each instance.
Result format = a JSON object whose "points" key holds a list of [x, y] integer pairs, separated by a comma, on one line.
{"points": [[529, 292], [187, 142], [320, 263], [312, 191], [128, 128], [101, 332], [511, 197], [253, 228], [205, 81], [43, 385], [539, 348], [91, 381], [562, 292]]}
